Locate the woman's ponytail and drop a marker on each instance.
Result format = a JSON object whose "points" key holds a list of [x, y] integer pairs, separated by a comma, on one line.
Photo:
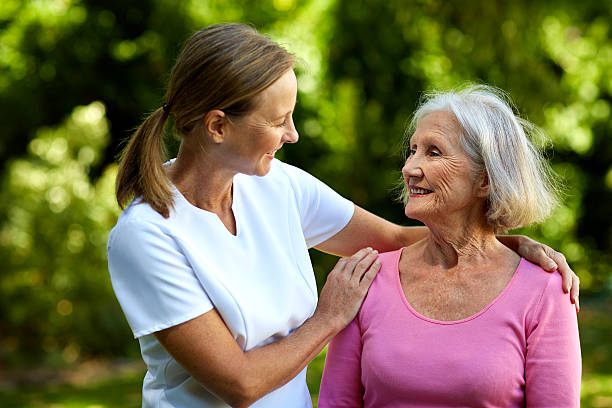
{"points": [[223, 67], [141, 172]]}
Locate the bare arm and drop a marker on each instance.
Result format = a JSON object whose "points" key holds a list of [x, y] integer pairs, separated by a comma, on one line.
{"points": [[368, 230], [205, 347]]}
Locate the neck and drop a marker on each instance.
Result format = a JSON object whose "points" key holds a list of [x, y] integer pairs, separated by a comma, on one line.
{"points": [[202, 181], [455, 242]]}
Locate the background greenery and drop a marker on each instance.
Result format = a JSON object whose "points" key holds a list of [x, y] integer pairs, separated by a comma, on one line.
{"points": [[76, 76]]}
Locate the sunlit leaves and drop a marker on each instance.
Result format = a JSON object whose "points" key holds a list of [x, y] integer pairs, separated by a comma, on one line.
{"points": [[585, 54], [53, 240]]}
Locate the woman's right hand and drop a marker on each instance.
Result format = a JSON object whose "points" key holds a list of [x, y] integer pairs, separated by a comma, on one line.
{"points": [[346, 287], [205, 347]]}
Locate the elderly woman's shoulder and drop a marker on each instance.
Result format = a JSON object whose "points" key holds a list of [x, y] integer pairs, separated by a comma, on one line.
{"points": [[539, 283]]}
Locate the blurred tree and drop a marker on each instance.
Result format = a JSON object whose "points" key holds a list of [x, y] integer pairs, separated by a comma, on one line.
{"points": [[55, 296], [59, 54], [552, 60], [363, 66], [57, 205]]}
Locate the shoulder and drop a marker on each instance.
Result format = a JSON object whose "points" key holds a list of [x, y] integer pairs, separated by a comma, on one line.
{"points": [[285, 169], [291, 174], [138, 224], [537, 279], [542, 292], [383, 297], [391, 258], [277, 181], [306, 188], [387, 275], [139, 211]]}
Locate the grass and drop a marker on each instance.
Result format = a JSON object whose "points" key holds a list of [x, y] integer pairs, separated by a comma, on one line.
{"points": [[119, 386], [124, 392]]}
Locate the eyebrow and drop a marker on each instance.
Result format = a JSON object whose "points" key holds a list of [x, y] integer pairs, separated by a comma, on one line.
{"points": [[283, 116]]}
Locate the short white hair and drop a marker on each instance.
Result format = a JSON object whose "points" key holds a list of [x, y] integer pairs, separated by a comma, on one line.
{"points": [[522, 187]]}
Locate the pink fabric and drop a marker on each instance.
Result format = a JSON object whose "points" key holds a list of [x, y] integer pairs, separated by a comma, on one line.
{"points": [[522, 350]]}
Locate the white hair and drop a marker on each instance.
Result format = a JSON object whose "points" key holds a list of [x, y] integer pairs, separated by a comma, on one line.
{"points": [[522, 187]]}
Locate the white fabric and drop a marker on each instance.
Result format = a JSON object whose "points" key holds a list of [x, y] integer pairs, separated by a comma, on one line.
{"points": [[167, 271]]}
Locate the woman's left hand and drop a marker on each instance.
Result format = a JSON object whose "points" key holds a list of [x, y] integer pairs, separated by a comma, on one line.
{"points": [[550, 260]]}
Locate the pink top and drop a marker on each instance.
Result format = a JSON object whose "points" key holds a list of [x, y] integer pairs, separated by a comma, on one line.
{"points": [[522, 350]]}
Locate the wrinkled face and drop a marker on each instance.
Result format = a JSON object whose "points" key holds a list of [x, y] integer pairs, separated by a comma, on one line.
{"points": [[438, 172], [255, 138]]}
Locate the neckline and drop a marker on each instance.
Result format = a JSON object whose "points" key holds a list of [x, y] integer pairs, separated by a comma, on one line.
{"points": [[407, 304], [212, 215]]}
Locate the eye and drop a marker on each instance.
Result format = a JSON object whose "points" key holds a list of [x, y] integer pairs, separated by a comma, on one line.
{"points": [[434, 152], [286, 121], [411, 152]]}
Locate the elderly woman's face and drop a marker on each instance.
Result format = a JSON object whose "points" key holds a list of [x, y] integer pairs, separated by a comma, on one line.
{"points": [[438, 172]]}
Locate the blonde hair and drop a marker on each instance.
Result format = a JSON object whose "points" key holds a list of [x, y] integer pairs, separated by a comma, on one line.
{"points": [[221, 67], [522, 187]]}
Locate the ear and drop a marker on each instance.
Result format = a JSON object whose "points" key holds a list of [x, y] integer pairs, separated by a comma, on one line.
{"points": [[482, 185], [215, 125]]}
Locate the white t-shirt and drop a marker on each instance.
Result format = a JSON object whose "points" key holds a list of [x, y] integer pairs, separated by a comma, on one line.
{"points": [[167, 271]]}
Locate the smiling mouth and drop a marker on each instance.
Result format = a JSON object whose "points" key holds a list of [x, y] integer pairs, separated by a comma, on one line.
{"points": [[419, 191], [273, 152]]}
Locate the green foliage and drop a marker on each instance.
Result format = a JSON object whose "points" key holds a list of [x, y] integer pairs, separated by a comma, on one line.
{"points": [[124, 391], [77, 75], [552, 61], [56, 294]]}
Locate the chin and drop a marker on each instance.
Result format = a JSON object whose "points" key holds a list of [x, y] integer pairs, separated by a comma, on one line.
{"points": [[262, 170], [414, 214]]}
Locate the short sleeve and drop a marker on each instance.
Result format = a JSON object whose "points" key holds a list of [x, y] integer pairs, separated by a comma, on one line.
{"points": [[323, 212], [152, 279], [553, 363]]}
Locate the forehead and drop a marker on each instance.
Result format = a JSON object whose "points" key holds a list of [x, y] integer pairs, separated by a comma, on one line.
{"points": [[280, 95], [439, 125]]}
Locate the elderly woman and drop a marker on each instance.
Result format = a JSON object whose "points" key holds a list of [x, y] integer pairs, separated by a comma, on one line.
{"points": [[457, 319], [209, 260]]}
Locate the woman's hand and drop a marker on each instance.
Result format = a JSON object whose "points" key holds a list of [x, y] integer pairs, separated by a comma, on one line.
{"points": [[548, 259], [205, 347], [346, 287]]}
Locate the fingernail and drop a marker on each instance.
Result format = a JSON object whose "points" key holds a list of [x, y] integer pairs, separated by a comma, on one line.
{"points": [[552, 265], [375, 251]]}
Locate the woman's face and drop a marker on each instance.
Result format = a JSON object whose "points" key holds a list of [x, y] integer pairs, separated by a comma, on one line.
{"points": [[438, 172], [255, 137]]}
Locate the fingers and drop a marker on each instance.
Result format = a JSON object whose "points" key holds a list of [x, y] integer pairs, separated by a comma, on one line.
{"points": [[346, 287], [357, 264], [571, 282], [363, 265], [537, 253], [551, 260], [566, 272], [370, 274], [547, 258], [574, 293]]}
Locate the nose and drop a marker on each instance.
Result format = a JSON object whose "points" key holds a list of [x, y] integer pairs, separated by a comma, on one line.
{"points": [[411, 169], [291, 136]]}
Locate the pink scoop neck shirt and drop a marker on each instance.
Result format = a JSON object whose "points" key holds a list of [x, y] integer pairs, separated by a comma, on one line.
{"points": [[522, 350]]}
